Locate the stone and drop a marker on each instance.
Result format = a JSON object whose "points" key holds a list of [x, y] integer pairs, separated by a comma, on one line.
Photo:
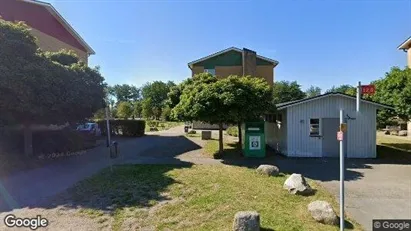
{"points": [[269, 170], [246, 221], [296, 184], [206, 135], [323, 212], [402, 133]]}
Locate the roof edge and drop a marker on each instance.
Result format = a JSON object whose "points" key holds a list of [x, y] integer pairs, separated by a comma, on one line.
{"points": [[190, 64], [405, 45], [296, 102], [67, 25]]}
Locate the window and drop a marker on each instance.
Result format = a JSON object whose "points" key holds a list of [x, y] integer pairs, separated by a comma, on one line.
{"points": [[270, 118], [314, 127], [211, 71]]}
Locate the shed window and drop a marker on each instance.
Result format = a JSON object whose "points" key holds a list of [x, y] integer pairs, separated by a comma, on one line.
{"points": [[270, 118], [211, 71], [314, 127]]}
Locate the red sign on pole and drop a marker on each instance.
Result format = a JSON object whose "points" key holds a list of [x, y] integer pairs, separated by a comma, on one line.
{"points": [[368, 89], [340, 136]]}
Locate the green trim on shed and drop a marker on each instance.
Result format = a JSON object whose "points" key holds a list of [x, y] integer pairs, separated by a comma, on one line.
{"points": [[229, 58]]}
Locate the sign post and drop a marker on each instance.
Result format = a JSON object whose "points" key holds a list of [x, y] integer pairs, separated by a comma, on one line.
{"points": [[109, 136], [340, 137]]}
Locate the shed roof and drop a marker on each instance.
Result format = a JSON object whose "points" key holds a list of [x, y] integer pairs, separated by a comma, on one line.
{"points": [[190, 64], [284, 105]]}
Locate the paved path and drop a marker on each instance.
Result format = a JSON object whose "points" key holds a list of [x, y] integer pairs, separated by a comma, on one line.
{"points": [[34, 187]]}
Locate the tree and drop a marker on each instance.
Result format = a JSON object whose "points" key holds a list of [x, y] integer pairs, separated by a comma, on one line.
{"points": [[146, 109], [137, 108], [124, 92], [166, 113], [124, 110], [395, 89], [312, 91], [207, 99], [155, 94], [285, 91], [35, 88], [345, 89]]}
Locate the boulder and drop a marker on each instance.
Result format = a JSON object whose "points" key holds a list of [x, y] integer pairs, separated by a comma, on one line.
{"points": [[322, 212], [269, 170], [296, 184], [246, 221], [402, 133]]}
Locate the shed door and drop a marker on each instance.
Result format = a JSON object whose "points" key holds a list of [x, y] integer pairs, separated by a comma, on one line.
{"points": [[330, 144]]}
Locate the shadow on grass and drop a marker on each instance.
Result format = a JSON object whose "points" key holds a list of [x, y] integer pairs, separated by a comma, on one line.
{"points": [[139, 186], [394, 153], [266, 229]]}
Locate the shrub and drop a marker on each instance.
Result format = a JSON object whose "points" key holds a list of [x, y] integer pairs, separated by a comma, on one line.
{"points": [[232, 131], [133, 128], [192, 132]]}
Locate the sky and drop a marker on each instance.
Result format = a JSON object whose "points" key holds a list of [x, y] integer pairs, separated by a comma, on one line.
{"points": [[317, 42]]}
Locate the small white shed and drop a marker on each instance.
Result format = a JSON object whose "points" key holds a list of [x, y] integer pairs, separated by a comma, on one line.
{"points": [[308, 127]]}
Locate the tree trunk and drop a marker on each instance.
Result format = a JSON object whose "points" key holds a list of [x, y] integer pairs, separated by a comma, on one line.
{"points": [[28, 140], [220, 140], [240, 139]]}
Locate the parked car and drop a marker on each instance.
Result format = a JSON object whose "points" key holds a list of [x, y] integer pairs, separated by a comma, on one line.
{"points": [[91, 128]]}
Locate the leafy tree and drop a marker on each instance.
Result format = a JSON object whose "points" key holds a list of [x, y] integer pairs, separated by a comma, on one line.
{"points": [[146, 108], [345, 88], [285, 91], [395, 89], [228, 100], [124, 110], [64, 57], [165, 113], [36, 89], [137, 108], [155, 94], [99, 114], [124, 92], [312, 91]]}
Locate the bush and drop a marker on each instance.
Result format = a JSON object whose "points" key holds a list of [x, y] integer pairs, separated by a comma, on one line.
{"points": [[53, 141], [192, 132], [133, 128], [232, 131]]}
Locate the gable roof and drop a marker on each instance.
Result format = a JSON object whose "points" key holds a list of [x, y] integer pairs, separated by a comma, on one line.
{"points": [[284, 105], [405, 45], [190, 64], [63, 22]]}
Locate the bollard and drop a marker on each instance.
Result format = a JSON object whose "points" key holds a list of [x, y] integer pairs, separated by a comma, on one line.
{"points": [[114, 153]]}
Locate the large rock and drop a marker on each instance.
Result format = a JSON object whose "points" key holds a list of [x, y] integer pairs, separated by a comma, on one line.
{"points": [[246, 221], [269, 170], [402, 133], [296, 184], [322, 212]]}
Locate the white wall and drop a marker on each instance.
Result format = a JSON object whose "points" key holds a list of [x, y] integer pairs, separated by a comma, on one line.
{"points": [[276, 134], [361, 132]]}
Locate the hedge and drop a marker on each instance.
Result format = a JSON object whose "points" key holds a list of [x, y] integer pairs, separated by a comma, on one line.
{"points": [[133, 128], [52, 141]]}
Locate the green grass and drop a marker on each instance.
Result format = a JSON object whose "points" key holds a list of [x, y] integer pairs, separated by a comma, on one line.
{"points": [[161, 125], [231, 149], [193, 135], [199, 197], [393, 147]]}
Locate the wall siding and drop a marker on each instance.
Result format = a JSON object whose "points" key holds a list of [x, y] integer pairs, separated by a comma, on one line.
{"points": [[409, 57], [361, 132]]}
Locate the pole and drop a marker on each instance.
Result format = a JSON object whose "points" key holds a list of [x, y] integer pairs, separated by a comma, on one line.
{"points": [[109, 137], [342, 168], [358, 96], [108, 127]]}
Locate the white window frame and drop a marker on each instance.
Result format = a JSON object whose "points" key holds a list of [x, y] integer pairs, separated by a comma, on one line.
{"points": [[211, 71], [319, 127]]}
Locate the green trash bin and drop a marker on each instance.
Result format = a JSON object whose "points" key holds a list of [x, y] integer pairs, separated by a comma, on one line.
{"points": [[253, 139]]}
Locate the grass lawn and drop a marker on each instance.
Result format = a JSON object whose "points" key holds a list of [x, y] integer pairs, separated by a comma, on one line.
{"points": [[393, 147], [198, 197], [231, 149]]}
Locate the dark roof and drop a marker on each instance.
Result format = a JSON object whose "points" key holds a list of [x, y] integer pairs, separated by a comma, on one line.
{"points": [[291, 103], [190, 64]]}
